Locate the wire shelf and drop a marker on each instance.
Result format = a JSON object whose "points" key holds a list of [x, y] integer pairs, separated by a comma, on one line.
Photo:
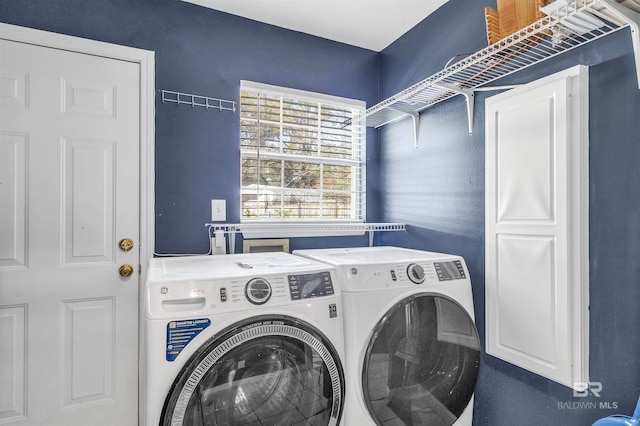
{"points": [[198, 101], [301, 229], [544, 39]]}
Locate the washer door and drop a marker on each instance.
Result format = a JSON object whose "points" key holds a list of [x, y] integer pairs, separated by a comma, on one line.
{"points": [[267, 370], [421, 364]]}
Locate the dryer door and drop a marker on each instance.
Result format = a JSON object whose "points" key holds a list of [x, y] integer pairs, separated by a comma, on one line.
{"points": [[421, 364], [268, 370]]}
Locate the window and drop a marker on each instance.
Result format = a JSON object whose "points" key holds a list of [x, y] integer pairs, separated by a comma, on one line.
{"points": [[302, 155]]}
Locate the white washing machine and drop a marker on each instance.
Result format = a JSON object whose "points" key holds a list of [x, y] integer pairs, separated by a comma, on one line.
{"points": [[243, 339], [412, 347]]}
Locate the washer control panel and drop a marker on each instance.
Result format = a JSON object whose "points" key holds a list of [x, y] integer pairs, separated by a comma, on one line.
{"points": [[166, 300], [307, 286]]}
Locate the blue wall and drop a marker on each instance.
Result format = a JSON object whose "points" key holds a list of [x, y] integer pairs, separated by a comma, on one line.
{"points": [[438, 190], [206, 52]]}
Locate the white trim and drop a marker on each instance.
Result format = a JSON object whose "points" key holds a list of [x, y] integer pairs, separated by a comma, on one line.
{"points": [[301, 94], [146, 60]]}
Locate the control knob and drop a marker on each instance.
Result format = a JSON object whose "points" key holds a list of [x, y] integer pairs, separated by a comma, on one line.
{"points": [[258, 291], [416, 273]]}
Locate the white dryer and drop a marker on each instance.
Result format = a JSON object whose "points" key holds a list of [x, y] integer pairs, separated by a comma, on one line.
{"points": [[412, 347], [242, 339]]}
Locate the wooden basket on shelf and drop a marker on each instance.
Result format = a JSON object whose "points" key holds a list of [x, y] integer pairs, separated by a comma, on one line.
{"points": [[511, 16]]}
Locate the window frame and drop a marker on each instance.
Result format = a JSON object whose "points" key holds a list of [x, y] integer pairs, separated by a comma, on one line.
{"points": [[357, 192]]}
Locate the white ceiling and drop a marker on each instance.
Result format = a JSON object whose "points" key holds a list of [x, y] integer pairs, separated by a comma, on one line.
{"points": [[370, 24]]}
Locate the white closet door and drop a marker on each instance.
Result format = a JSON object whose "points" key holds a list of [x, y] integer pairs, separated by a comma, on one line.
{"points": [[537, 261]]}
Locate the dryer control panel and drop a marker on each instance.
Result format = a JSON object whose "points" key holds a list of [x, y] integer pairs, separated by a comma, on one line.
{"points": [[449, 270], [420, 272], [411, 274]]}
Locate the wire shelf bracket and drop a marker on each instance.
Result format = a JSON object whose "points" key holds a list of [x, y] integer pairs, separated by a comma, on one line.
{"points": [[198, 101], [550, 36]]}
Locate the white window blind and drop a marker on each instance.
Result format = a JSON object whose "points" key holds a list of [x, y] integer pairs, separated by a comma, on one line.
{"points": [[302, 155]]}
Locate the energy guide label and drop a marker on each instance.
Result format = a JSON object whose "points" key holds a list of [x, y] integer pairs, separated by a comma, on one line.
{"points": [[180, 333]]}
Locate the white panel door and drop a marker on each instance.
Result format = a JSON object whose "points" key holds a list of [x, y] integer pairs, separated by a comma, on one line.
{"points": [[537, 226], [69, 192]]}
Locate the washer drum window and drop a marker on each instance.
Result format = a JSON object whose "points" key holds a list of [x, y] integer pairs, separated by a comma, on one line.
{"points": [[267, 370], [421, 364]]}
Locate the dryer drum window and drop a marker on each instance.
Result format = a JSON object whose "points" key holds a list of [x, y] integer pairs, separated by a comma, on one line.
{"points": [[421, 364], [269, 370]]}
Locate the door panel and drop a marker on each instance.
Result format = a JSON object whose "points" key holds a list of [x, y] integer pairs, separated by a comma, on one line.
{"points": [[69, 151], [88, 350], [88, 100], [13, 378], [88, 201], [529, 290], [13, 89], [13, 174], [526, 181]]}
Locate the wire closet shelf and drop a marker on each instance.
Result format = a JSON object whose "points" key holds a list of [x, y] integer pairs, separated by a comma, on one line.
{"points": [[567, 27], [277, 229]]}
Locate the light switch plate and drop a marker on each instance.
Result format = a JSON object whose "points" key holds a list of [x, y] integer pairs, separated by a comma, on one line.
{"points": [[218, 210]]}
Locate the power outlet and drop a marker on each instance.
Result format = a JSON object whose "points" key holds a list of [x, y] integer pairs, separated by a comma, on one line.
{"points": [[218, 210]]}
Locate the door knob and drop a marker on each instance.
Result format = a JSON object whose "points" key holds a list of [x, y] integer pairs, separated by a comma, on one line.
{"points": [[126, 270], [125, 244]]}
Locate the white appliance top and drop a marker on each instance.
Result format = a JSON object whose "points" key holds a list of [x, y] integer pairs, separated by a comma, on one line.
{"points": [[391, 268], [192, 286], [370, 255], [197, 268]]}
